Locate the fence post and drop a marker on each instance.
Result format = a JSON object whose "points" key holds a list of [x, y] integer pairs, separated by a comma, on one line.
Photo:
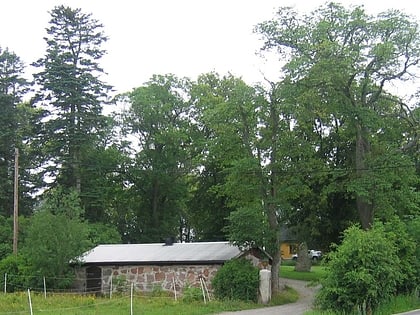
{"points": [[202, 289], [5, 283], [110, 288], [45, 289], [173, 282], [30, 302], [131, 299]]}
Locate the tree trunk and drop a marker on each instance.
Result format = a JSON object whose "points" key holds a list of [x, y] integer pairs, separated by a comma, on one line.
{"points": [[303, 262], [275, 267], [364, 206], [155, 204]]}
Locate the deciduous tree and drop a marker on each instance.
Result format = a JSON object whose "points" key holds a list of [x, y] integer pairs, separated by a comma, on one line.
{"points": [[341, 65]]}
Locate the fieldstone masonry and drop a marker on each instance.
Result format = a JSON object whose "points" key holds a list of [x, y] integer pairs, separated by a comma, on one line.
{"points": [[150, 277]]}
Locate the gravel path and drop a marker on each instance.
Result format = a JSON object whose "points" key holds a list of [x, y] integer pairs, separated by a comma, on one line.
{"points": [[306, 298]]}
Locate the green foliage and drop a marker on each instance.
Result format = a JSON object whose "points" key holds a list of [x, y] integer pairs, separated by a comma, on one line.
{"points": [[413, 230], [395, 305], [397, 232], [55, 237], [6, 236], [363, 272], [71, 92], [120, 283], [344, 145], [17, 272], [15, 118], [159, 119], [102, 233], [248, 227], [237, 279], [192, 294], [62, 201]]}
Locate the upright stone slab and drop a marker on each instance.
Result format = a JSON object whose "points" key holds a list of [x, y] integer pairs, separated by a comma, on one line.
{"points": [[265, 286]]}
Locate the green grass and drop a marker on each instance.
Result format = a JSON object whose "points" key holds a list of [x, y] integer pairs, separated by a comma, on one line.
{"points": [[289, 295], [316, 273], [67, 304]]}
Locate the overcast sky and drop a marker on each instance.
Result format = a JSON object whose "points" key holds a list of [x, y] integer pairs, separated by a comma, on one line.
{"points": [[184, 37]]}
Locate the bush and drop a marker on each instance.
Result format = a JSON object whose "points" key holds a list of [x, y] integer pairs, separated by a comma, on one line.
{"points": [[18, 272], [397, 232], [413, 230], [237, 279], [363, 271]]}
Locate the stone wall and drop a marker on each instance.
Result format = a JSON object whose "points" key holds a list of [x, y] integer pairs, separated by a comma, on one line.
{"points": [[149, 278]]}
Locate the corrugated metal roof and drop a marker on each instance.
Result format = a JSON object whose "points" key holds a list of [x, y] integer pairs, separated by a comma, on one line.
{"points": [[159, 253]]}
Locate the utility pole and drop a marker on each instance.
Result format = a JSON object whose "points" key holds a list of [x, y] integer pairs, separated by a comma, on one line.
{"points": [[16, 203]]}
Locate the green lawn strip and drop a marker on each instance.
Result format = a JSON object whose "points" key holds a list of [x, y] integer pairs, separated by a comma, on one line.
{"points": [[69, 304], [316, 273]]}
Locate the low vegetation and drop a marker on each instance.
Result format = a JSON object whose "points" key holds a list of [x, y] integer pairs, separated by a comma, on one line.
{"points": [[367, 270], [70, 304], [398, 304]]}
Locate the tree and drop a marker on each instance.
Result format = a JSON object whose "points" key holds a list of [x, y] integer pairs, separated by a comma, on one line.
{"points": [[159, 120], [14, 120], [56, 236], [6, 236], [341, 65], [241, 142], [71, 93]]}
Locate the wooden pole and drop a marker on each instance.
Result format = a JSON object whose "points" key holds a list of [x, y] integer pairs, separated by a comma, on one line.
{"points": [[30, 302], [15, 204]]}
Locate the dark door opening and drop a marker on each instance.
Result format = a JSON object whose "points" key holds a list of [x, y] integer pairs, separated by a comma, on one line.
{"points": [[93, 279]]}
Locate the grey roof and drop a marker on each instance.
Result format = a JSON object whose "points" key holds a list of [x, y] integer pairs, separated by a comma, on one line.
{"points": [[159, 253]]}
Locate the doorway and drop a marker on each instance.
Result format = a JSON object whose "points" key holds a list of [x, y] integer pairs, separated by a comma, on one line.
{"points": [[93, 279]]}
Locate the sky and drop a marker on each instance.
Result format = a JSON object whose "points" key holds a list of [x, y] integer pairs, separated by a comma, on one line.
{"points": [[183, 37]]}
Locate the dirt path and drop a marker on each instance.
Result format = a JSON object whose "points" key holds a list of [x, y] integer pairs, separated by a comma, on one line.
{"points": [[306, 298]]}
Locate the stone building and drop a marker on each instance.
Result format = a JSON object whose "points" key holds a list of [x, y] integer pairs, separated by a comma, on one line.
{"points": [[167, 266]]}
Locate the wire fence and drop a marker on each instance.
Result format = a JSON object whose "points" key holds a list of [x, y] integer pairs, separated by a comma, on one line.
{"points": [[11, 283]]}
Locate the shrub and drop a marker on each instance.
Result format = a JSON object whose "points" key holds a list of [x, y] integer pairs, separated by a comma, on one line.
{"points": [[397, 232], [237, 279], [18, 272], [362, 272], [413, 230]]}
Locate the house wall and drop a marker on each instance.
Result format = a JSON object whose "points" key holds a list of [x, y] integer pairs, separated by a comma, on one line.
{"points": [[148, 278], [287, 249]]}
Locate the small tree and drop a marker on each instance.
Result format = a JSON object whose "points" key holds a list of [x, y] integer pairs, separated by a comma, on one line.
{"points": [[362, 272], [56, 235]]}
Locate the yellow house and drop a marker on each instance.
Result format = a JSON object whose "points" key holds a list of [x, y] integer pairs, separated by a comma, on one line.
{"points": [[288, 243], [288, 249]]}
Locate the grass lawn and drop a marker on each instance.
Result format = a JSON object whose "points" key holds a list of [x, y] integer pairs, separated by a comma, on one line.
{"points": [[316, 273], [69, 304]]}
